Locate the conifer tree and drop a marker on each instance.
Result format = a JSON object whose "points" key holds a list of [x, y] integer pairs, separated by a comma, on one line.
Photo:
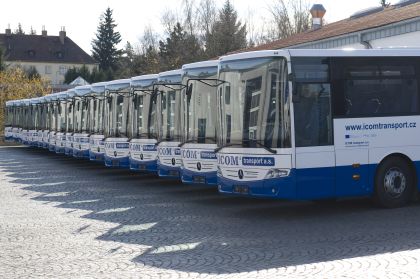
{"points": [[227, 33], [104, 46]]}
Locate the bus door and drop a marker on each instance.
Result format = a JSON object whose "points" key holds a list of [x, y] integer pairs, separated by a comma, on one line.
{"points": [[315, 155], [354, 95]]}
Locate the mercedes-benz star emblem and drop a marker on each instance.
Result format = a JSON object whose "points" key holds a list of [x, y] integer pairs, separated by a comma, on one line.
{"points": [[199, 166], [173, 161], [115, 153], [141, 156], [240, 174]]}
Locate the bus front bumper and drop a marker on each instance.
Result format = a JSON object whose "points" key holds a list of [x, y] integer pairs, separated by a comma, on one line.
{"points": [[149, 166], [193, 177], [275, 188], [112, 162]]}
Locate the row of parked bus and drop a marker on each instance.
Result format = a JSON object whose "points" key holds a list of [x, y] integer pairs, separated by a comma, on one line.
{"points": [[289, 124]]}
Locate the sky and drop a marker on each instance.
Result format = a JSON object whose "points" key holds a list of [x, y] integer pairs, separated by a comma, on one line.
{"points": [[81, 17]]}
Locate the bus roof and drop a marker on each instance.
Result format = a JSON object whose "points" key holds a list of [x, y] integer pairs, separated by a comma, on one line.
{"points": [[118, 84], [83, 90], [395, 52], [202, 64]]}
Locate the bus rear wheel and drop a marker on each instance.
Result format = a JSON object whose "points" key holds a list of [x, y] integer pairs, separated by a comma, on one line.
{"points": [[394, 183]]}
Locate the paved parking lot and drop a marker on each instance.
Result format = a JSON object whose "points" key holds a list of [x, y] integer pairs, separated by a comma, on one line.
{"points": [[62, 217]]}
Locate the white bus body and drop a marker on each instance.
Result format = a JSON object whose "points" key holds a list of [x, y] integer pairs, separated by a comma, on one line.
{"points": [[96, 123], [143, 130], [199, 100], [117, 147], [345, 124], [169, 123], [81, 136]]}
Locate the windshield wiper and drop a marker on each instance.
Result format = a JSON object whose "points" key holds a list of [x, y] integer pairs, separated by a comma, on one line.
{"points": [[227, 145], [269, 149], [195, 140]]}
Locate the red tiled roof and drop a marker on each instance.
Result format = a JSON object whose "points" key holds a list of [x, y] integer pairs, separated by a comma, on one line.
{"points": [[388, 16]]}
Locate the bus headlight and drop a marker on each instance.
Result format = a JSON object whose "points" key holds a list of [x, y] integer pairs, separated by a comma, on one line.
{"points": [[276, 173]]}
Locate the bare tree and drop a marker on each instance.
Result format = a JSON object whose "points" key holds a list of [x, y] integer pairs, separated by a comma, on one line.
{"points": [[149, 39], [207, 14], [189, 19], [169, 19], [288, 18]]}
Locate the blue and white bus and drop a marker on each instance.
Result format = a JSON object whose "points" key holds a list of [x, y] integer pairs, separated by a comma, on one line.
{"points": [[169, 88], [43, 128], [70, 101], [8, 125], [96, 121], [33, 121], [53, 104], [199, 163], [320, 124], [117, 113], [81, 136], [61, 120], [143, 124]]}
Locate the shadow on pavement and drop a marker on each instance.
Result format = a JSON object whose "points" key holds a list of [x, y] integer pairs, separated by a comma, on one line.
{"points": [[194, 229]]}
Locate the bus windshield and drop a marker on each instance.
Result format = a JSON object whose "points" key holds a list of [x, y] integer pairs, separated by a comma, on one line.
{"points": [[80, 111], [118, 112], [143, 108], [61, 116], [200, 103], [69, 115], [169, 100], [254, 103]]}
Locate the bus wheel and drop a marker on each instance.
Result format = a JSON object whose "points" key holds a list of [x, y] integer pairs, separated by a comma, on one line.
{"points": [[393, 183]]}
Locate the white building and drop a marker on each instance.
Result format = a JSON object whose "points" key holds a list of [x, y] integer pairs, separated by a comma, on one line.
{"points": [[51, 56]]}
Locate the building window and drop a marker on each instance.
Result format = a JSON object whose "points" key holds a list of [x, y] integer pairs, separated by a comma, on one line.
{"points": [[48, 69], [63, 70]]}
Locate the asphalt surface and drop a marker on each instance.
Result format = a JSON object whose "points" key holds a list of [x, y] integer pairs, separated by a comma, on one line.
{"points": [[66, 218]]}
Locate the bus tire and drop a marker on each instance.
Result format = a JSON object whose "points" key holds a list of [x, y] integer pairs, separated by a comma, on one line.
{"points": [[394, 182]]}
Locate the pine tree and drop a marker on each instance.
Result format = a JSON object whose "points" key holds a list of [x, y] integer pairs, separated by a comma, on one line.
{"points": [[32, 32], [227, 34], [180, 48], [104, 47], [19, 30]]}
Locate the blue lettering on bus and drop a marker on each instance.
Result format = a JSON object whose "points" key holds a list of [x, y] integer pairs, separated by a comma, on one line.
{"points": [[189, 154], [178, 151], [124, 145], [228, 160], [149, 147], [258, 161], [208, 155], [166, 151]]}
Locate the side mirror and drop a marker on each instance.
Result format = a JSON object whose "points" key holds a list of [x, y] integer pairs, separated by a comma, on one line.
{"points": [[189, 90]]}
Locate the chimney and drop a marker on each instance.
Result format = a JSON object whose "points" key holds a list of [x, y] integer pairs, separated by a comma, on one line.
{"points": [[62, 35], [317, 11], [8, 31], [44, 32]]}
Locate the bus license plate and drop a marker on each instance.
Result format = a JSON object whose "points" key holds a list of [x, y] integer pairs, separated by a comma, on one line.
{"points": [[173, 173], [241, 189], [199, 179]]}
